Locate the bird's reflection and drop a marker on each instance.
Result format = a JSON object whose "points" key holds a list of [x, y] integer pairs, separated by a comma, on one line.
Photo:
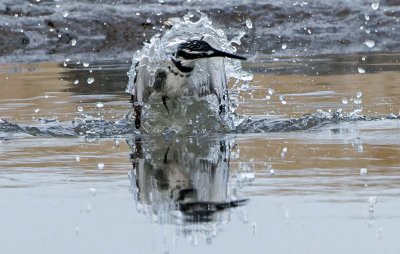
{"points": [[184, 180]]}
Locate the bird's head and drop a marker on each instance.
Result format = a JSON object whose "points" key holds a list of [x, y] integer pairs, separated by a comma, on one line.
{"points": [[188, 52]]}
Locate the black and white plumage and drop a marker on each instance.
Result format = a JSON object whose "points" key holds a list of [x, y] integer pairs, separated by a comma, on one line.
{"points": [[173, 81]]}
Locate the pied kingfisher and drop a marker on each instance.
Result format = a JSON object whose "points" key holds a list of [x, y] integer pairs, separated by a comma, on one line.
{"points": [[173, 81]]}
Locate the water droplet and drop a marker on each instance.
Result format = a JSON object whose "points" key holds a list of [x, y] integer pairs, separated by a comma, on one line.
{"points": [[283, 100], [371, 208], [99, 105], [76, 82], [116, 143], [366, 17], [375, 5], [93, 191], [246, 177], [359, 94], [85, 64], [73, 42], [37, 110], [161, 1], [363, 171], [357, 101], [345, 100], [247, 76], [284, 151], [249, 24], [100, 165], [65, 14], [284, 46], [271, 91], [363, 58], [77, 158], [244, 87], [90, 80], [372, 200], [361, 70], [369, 43], [80, 108]]}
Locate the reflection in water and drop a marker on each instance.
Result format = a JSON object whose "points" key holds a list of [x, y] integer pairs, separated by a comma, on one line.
{"points": [[309, 184], [183, 181]]}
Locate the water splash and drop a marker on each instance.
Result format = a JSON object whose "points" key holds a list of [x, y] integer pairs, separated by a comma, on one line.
{"points": [[92, 127], [249, 24], [370, 43], [375, 5], [158, 53], [90, 80], [306, 122], [196, 122]]}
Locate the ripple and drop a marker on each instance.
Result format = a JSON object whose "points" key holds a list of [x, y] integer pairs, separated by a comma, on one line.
{"points": [[97, 127]]}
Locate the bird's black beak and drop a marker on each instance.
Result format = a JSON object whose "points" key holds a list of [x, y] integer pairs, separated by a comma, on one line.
{"points": [[218, 53]]}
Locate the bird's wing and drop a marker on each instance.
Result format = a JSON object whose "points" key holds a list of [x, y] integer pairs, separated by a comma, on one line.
{"points": [[209, 77], [217, 78]]}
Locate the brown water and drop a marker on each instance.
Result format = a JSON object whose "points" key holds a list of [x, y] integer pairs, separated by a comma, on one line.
{"points": [[66, 190]]}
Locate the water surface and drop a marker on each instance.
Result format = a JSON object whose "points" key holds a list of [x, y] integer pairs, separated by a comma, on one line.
{"points": [[306, 173]]}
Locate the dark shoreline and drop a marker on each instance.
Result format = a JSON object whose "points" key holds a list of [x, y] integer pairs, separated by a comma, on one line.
{"points": [[40, 31]]}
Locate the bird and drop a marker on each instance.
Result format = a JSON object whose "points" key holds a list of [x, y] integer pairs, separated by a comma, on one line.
{"points": [[175, 80]]}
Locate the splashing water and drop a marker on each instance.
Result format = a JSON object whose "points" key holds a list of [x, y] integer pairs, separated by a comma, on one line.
{"points": [[249, 24], [370, 43], [361, 70], [190, 115], [99, 128], [90, 80], [375, 5]]}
